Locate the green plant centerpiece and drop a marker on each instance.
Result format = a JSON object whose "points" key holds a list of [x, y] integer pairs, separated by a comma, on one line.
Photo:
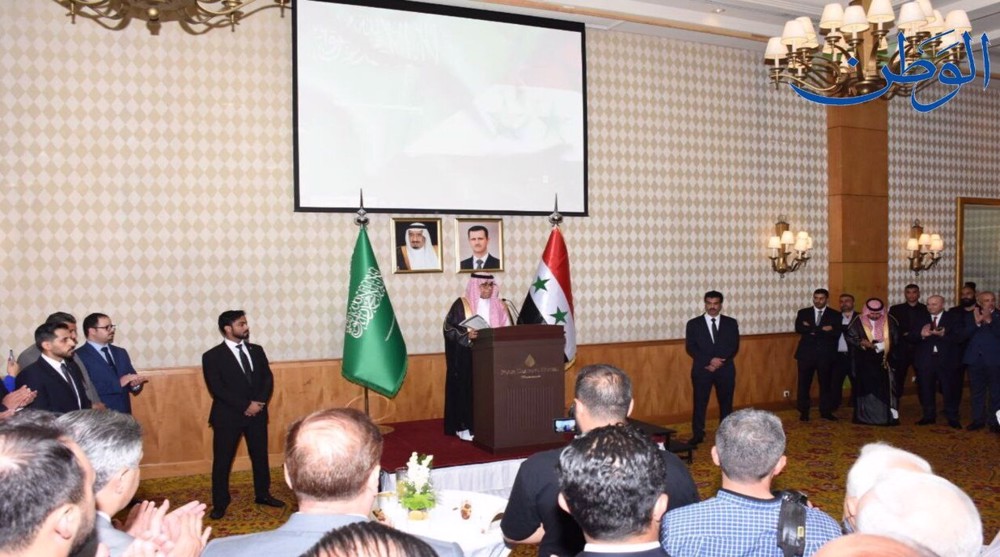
{"points": [[416, 494]]}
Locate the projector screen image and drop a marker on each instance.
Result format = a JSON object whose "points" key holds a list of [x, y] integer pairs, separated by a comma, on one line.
{"points": [[428, 108]]}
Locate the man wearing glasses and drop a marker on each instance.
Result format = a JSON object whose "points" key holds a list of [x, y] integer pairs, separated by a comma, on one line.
{"points": [[109, 366]]}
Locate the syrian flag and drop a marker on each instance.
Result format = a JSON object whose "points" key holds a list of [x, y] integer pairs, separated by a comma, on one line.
{"points": [[550, 297]]}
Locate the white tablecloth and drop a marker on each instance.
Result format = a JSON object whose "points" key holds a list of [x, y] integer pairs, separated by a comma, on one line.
{"points": [[479, 536]]}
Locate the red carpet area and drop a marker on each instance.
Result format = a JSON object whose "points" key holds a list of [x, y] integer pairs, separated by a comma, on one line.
{"points": [[427, 437]]}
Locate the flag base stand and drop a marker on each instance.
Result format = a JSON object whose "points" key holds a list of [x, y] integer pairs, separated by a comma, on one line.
{"points": [[383, 429]]}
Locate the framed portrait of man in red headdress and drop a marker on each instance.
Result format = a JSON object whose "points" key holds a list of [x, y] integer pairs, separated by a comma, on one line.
{"points": [[478, 245]]}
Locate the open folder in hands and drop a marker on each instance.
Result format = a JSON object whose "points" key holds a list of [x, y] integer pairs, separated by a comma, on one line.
{"points": [[475, 322]]}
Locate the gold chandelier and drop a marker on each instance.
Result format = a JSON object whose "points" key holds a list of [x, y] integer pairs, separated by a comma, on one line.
{"points": [[854, 50], [789, 251], [194, 16]]}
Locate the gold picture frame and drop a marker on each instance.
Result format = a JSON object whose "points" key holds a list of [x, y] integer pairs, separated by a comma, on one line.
{"points": [[407, 257], [469, 231]]}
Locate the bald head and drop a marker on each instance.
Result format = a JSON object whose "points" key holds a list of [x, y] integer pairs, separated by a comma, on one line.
{"points": [[935, 304], [868, 545], [332, 454]]}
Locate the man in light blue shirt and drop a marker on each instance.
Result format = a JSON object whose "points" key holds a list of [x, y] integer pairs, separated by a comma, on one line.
{"points": [[742, 519]]}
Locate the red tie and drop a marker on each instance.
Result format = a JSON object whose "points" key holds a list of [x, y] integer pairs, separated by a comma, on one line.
{"points": [[935, 321]]}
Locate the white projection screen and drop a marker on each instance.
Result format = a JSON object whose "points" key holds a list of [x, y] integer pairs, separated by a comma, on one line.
{"points": [[437, 109]]}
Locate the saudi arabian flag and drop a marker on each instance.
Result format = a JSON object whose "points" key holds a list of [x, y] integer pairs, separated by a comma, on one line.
{"points": [[374, 349], [550, 297]]}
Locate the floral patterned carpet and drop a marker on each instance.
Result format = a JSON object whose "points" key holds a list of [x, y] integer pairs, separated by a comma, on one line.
{"points": [[819, 454]]}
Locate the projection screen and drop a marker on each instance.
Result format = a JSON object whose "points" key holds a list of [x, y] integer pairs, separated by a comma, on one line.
{"points": [[429, 108]]}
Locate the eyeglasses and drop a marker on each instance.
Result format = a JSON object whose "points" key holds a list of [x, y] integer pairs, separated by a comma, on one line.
{"points": [[109, 328], [487, 285]]}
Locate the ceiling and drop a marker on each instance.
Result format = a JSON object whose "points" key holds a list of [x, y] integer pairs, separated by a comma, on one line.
{"points": [[736, 23]]}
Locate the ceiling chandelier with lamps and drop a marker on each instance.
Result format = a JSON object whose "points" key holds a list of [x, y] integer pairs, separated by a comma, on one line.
{"points": [[853, 55], [789, 251], [194, 16], [924, 249]]}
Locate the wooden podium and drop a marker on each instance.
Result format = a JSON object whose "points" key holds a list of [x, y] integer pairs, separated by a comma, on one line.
{"points": [[518, 387]]}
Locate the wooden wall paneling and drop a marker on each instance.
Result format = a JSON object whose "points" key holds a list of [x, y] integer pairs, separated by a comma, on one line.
{"points": [[174, 406]]}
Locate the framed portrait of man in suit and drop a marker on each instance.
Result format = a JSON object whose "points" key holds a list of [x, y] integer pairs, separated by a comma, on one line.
{"points": [[478, 245], [416, 246]]}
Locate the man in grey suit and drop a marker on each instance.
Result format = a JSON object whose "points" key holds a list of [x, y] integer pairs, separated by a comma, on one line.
{"points": [[112, 442], [332, 464]]}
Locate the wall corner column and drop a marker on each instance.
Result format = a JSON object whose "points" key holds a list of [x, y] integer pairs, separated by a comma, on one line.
{"points": [[858, 199]]}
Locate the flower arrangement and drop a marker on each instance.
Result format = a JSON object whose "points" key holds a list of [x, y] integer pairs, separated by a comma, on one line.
{"points": [[416, 493]]}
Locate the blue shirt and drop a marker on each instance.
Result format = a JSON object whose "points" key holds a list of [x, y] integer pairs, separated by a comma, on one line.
{"points": [[730, 525]]}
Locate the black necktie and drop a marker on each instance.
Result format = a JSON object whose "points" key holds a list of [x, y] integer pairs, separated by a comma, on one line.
{"points": [[107, 356], [479, 263], [72, 384], [715, 331], [247, 370]]}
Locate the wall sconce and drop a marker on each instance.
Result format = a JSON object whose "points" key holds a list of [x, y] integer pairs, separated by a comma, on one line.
{"points": [[925, 249], [788, 251]]}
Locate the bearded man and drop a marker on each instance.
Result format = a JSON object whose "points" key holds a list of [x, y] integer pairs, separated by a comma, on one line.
{"points": [[874, 336]]}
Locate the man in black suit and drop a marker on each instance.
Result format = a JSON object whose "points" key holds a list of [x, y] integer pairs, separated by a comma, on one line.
{"points": [[842, 363], [712, 340], [936, 336], [905, 314], [239, 379], [54, 377], [619, 511], [819, 330], [479, 241]]}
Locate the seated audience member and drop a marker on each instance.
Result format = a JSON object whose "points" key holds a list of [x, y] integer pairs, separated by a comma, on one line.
{"points": [[369, 539], [47, 506], [742, 518], [875, 461], [603, 396], [332, 465], [867, 545], [30, 354], [113, 443], [923, 511], [54, 377], [614, 483], [13, 399]]}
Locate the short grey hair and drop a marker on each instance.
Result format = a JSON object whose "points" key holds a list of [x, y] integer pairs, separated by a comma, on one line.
{"points": [[923, 511], [875, 460], [749, 442], [111, 440]]}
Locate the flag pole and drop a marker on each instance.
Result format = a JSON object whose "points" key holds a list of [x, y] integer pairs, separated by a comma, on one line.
{"points": [[556, 218], [361, 219]]}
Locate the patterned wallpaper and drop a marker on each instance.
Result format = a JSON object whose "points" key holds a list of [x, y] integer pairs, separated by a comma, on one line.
{"points": [[151, 178], [934, 158]]}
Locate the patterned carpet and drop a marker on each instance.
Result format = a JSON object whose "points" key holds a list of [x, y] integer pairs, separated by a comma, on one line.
{"points": [[819, 455]]}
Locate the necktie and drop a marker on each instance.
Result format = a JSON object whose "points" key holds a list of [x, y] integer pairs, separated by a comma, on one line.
{"points": [[935, 321], [715, 331], [72, 384], [245, 360], [479, 263], [819, 317], [107, 356]]}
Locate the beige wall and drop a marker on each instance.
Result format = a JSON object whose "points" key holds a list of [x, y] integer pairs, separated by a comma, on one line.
{"points": [[151, 178], [934, 158]]}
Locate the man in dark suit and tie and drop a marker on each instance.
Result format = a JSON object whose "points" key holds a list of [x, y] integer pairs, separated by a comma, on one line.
{"points": [[54, 377], [712, 340], [479, 241], [239, 379], [627, 523], [109, 366], [936, 336], [819, 330], [982, 356], [905, 314]]}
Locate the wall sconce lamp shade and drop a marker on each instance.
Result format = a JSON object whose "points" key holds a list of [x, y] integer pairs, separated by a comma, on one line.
{"points": [[788, 251], [923, 249]]}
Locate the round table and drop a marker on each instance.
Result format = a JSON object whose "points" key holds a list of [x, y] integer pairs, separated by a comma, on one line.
{"points": [[479, 535]]}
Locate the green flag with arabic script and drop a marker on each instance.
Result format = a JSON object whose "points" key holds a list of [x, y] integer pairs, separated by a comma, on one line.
{"points": [[374, 349]]}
